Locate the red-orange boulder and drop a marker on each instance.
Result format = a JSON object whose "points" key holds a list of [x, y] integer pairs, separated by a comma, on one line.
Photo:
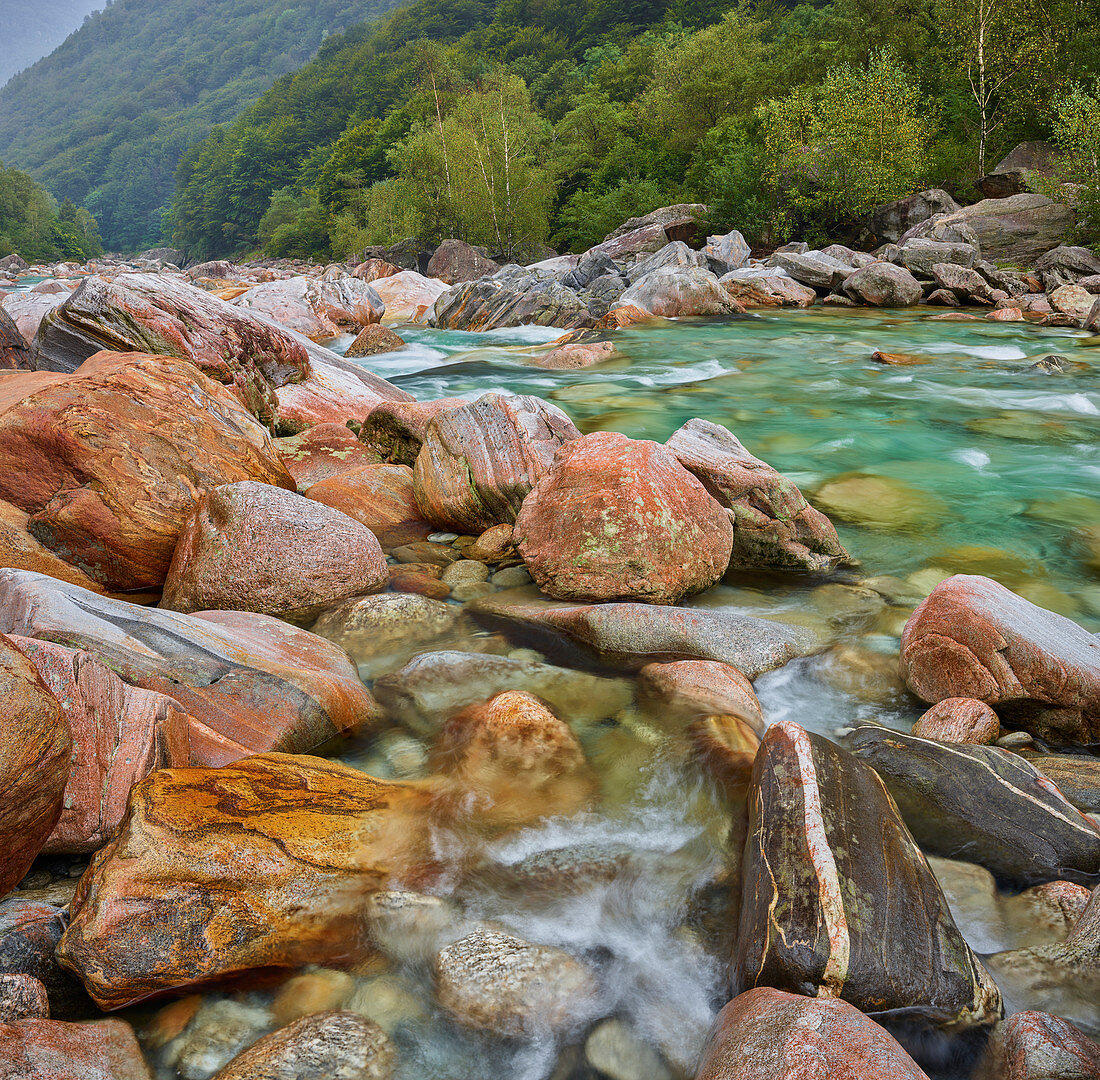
{"points": [[34, 763], [690, 689], [57, 1050], [322, 451], [1039, 1046], [381, 497], [253, 547], [766, 1034], [479, 461], [121, 733], [396, 429], [959, 720], [108, 461], [618, 518]]}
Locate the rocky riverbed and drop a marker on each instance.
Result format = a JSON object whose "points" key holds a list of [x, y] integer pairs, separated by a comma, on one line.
{"points": [[726, 709]]}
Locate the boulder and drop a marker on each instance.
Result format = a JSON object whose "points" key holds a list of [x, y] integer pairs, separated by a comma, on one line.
{"points": [[675, 255], [248, 682], [814, 269], [321, 452], [29, 933], [967, 286], [694, 689], [215, 269], [1076, 776], [167, 256], [322, 1046], [618, 518], [959, 720], [268, 863], [381, 497], [670, 218], [678, 291], [513, 761], [974, 638], [372, 340], [839, 904], [767, 287], [434, 686], [315, 307], [920, 256], [766, 1034], [120, 734], [511, 298], [15, 353], [407, 296], [479, 461], [1038, 1046], [576, 355], [880, 502], [27, 310], [1015, 230], [726, 253], [455, 261], [149, 313], [253, 547], [374, 269], [12, 264], [633, 635], [1072, 300], [108, 461], [35, 747], [985, 805], [883, 285], [337, 391], [1065, 265], [504, 986], [56, 1050], [396, 429], [886, 224], [774, 526], [22, 997], [1019, 170]]}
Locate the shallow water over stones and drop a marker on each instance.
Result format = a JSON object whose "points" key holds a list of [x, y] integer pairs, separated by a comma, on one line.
{"points": [[962, 461]]}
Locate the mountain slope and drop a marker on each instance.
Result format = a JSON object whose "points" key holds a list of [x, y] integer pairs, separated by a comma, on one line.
{"points": [[32, 31], [105, 118]]}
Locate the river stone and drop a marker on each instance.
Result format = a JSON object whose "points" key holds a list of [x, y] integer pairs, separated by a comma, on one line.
{"points": [[1038, 1046], [513, 761], [248, 682], [774, 526], [574, 355], [371, 626], [616, 1051], [478, 462], [434, 686], [507, 987], [959, 720], [323, 1046], [1077, 776], [108, 461], [887, 223], [840, 902], [880, 502], [323, 451], [727, 252], [373, 340], [15, 353], [265, 863], [21, 551], [254, 547], [679, 291], [381, 497], [153, 313], [755, 287], [972, 637], [35, 749], [618, 518], [883, 285], [56, 1050], [219, 1029], [692, 689], [633, 635], [396, 429], [120, 734], [813, 268], [315, 307], [968, 286], [766, 1034], [984, 804], [29, 933], [22, 997], [919, 257], [518, 299]]}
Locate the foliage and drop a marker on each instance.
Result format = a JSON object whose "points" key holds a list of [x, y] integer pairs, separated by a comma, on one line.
{"points": [[1077, 134], [34, 226]]}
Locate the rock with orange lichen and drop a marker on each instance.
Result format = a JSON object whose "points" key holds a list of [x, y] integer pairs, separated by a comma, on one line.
{"points": [[35, 746], [513, 761], [249, 682], [108, 461], [479, 461], [267, 863], [56, 1050], [619, 518], [838, 900], [323, 451]]}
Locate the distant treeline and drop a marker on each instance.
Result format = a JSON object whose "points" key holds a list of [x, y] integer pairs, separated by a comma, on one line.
{"points": [[34, 226]]}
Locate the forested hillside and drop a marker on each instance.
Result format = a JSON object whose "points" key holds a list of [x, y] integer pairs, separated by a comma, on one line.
{"points": [[35, 227], [33, 30], [517, 122], [104, 119]]}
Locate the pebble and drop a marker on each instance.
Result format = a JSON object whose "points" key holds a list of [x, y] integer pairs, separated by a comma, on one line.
{"points": [[511, 577], [312, 992], [442, 537], [614, 1050], [464, 572], [471, 590], [220, 1030]]}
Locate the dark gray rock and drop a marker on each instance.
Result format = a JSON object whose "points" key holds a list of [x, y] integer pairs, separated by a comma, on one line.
{"points": [[1065, 265], [886, 224], [968, 286], [1018, 171], [726, 253], [515, 296]]}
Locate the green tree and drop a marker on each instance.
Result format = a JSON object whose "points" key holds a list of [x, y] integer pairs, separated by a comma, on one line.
{"points": [[1077, 133]]}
